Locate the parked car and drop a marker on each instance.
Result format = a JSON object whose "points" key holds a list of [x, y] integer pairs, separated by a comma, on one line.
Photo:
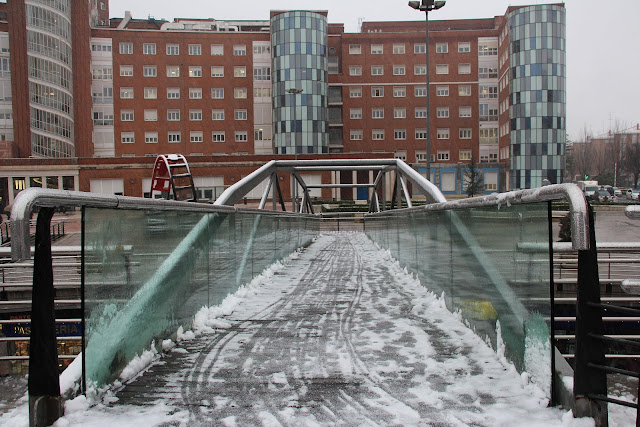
{"points": [[632, 194], [590, 192], [617, 192], [603, 196]]}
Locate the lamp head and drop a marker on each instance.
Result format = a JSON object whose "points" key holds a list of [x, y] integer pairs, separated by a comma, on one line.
{"points": [[439, 4], [414, 5]]}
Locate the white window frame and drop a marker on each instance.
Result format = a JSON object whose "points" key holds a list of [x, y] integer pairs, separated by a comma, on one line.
{"points": [[195, 93], [240, 93], [239, 50], [443, 155], [398, 49], [195, 71], [173, 49], [420, 70], [218, 136], [173, 115], [355, 113], [127, 137], [195, 49], [420, 113], [241, 136], [355, 49], [150, 93], [148, 48], [195, 115], [151, 137], [377, 91], [442, 112], [462, 111], [377, 70], [217, 115], [240, 114], [399, 70], [442, 90], [399, 134], [239, 71], [442, 68], [196, 136], [355, 70], [126, 48], [443, 133], [419, 48], [465, 133], [217, 50], [377, 113], [150, 115], [464, 47], [355, 92], [126, 93], [126, 71], [217, 71], [377, 134], [127, 116], [442, 47], [173, 93], [399, 113], [377, 49], [355, 135], [420, 91], [399, 91], [217, 93], [464, 68], [173, 71], [149, 71], [174, 137]]}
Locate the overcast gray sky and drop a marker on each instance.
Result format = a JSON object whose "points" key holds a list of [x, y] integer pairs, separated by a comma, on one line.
{"points": [[603, 42]]}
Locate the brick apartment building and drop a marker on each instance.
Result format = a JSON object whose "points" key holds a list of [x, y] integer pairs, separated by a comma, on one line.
{"points": [[87, 102]]}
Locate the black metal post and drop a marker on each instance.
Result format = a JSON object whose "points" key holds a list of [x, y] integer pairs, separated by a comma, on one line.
{"points": [[588, 381], [552, 308], [45, 403], [428, 154]]}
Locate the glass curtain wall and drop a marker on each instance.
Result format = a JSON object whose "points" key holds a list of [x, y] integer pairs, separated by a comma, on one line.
{"points": [[147, 273], [50, 77], [299, 50], [537, 66]]}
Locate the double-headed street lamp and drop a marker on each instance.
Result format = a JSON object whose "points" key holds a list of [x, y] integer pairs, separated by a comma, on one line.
{"points": [[426, 6], [294, 92]]}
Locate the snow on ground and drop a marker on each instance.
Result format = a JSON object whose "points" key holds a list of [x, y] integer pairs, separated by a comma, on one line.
{"points": [[336, 334]]}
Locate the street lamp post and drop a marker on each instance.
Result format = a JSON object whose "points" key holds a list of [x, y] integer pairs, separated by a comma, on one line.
{"points": [[294, 92], [426, 6]]}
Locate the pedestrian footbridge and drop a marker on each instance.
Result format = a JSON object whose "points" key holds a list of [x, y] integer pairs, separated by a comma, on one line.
{"points": [[212, 314]]}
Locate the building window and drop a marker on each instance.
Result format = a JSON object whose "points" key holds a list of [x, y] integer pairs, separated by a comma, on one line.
{"points": [[420, 113], [149, 49], [465, 133], [443, 155], [126, 70], [239, 50], [355, 70], [241, 136], [195, 136], [377, 70], [442, 90], [420, 70], [487, 113], [195, 71], [262, 92], [398, 49], [376, 49], [195, 93], [399, 91], [151, 137], [464, 155], [442, 68], [442, 133], [217, 93], [150, 115], [150, 93], [173, 115], [419, 48], [173, 49], [420, 91], [173, 93], [377, 134], [195, 115], [488, 92], [173, 71], [127, 137], [217, 136], [173, 137], [488, 48], [464, 111], [217, 50], [421, 134], [149, 71], [217, 71], [240, 92], [126, 115], [355, 135], [262, 73], [487, 73], [377, 113], [442, 112], [102, 74], [355, 113], [442, 48], [399, 134], [355, 49], [464, 90], [464, 68], [398, 70], [217, 114], [126, 48], [489, 136], [399, 113], [355, 92], [240, 114], [464, 47], [240, 71], [377, 91], [126, 93], [195, 49]]}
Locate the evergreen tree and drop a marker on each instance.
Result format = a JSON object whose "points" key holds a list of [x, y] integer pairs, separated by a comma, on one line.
{"points": [[475, 184]]}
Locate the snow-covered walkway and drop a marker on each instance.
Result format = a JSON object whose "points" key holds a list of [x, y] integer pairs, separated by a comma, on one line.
{"points": [[339, 335]]}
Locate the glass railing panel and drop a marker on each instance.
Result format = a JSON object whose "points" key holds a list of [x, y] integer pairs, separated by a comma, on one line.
{"points": [[474, 257], [146, 273]]}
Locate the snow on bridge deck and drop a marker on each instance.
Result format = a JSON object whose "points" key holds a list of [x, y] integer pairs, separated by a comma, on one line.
{"points": [[339, 335]]}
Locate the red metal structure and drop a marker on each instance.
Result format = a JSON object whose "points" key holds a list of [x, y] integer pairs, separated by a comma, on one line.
{"points": [[171, 174]]}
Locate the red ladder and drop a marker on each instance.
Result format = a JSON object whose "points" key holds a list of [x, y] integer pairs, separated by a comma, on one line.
{"points": [[171, 173]]}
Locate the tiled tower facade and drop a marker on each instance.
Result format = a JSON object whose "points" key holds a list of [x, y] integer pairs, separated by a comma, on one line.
{"points": [[299, 51], [537, 64]]}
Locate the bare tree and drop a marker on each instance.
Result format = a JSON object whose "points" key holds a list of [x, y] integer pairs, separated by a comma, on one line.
{"points": [[582, 156], [632, 159]]}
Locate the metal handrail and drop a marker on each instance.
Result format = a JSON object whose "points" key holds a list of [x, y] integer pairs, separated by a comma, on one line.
{"points": [[569, 192], [28, 199]]}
